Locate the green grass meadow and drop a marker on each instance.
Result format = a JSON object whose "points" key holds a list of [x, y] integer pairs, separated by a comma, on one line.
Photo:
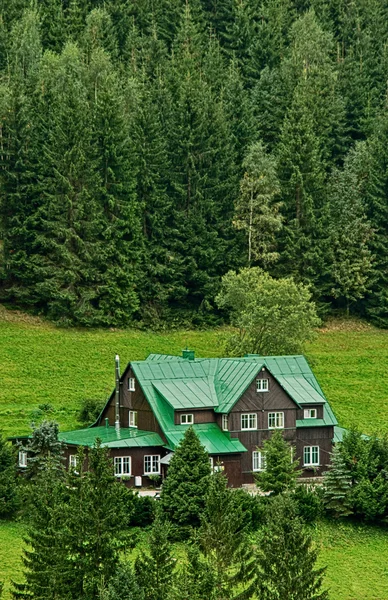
{"points": [[40, 364]]}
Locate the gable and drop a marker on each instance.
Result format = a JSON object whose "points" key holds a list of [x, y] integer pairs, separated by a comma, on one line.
{"points": [[276, 398]]}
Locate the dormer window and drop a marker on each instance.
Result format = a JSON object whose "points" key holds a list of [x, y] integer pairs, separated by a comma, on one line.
{"points": [[187, 419], [310, 413], [262, 385], [131, 384]]}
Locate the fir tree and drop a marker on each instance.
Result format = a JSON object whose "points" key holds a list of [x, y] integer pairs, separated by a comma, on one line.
{"points": [[286, 557], [337, 486], [184, 489], [155, 569], [281, 471], [43, 446]]}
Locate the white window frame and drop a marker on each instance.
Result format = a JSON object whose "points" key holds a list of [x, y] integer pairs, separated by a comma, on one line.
{"points": [[310, 413], [187, 419], [211, 460], [131, 384], [132, 418], [258, 461], [73, 462], [308, 452], [155, 458], [278, 418], [248, 421], [123, 466], [262, 385], [225, 423], [22, 459]]}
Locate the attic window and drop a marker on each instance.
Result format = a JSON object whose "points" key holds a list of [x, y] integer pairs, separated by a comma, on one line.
{"points": [[310, 413], [131, 384], [133, 418], [187, 419], [262, 385]]}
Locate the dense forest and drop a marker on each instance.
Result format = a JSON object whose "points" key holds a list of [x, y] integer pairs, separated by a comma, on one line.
{"points": [[149, 147]]}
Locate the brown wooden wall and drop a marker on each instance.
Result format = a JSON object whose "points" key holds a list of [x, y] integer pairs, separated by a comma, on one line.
{"points": [[137, 460], [200, 416], [318, 407], [136, 400]]}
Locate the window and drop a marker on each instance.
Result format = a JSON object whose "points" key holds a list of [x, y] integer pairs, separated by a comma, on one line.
{"points": [[249, 421], [310, 455], [73, 463], [262, 385], [276, 420], [131, 384], [133, 418], [22, 459], [211, 460], [310, 413], [151, 464], [122, 465], [187, 419], [225, 422], [258, 461]]}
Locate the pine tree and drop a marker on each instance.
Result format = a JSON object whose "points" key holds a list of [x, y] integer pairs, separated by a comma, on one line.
{"points": [[155, 569], [281, 471], [286, 557], [224, 541], [184, 489], [256, 212], [337, 486]]}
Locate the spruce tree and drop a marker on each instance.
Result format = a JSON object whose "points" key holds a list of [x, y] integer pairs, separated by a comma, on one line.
{"points": [[184, 489], [155, 569], [281, 471], [9, 493], [351, 235], [337, 486], [123, 585], [45, 559], [224, 541], [286, 557], [43, 446]]}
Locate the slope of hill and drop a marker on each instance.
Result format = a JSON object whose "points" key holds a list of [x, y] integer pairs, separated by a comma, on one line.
{"points": [[42, 364]]}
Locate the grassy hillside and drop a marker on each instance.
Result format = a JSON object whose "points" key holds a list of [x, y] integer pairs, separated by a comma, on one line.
{"points": [[40, 363], [356, 557]]}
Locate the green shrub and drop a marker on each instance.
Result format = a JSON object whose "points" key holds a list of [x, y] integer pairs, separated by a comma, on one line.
{"points": [[90, 411], [309, 505]]}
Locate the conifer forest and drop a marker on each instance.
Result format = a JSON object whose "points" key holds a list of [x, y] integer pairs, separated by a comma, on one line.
{"points": [[148, 147]]}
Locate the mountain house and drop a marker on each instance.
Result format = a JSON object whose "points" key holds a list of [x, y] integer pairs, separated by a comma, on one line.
{"points": [[233, 404]]}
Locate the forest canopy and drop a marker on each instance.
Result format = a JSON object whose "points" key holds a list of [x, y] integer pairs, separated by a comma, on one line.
{"points": [[148, 148]]}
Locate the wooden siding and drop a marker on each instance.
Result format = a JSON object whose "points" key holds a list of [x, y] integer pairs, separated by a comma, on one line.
{"points": [[200, 416], [315, 436], [137, 401], [319, 409], [232, 468]]}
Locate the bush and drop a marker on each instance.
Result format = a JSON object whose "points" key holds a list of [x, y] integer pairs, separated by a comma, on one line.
{"points": [[90, 411], [309, 505], [253, 508], [141, 509]]}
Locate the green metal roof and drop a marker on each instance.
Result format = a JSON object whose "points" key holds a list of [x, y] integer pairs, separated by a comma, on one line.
{"points": [[210, 436], [127, 437]]}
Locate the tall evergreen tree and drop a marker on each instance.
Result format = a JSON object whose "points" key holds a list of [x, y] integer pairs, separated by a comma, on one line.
{"points": [[281, 471], [184, 489], [287, 557], [337, 486], [224, 541], [256, 211], [155, 569], [9, 496]]}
